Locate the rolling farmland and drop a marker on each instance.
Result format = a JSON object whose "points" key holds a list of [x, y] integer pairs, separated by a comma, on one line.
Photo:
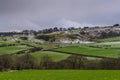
{"points": [[59, 40], [91, 51], [59, 53]]}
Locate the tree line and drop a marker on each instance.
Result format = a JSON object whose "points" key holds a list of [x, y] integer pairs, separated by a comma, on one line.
{"points": [[27, 61]]}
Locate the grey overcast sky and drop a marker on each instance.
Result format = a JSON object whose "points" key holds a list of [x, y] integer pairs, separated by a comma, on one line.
{"points": [[40, 14]]}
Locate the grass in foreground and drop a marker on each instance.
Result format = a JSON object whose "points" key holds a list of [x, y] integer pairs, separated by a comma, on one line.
{"points": [[61, 75]]}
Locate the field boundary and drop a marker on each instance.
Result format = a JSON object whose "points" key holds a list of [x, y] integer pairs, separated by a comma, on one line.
{"points": [[81, 54]]}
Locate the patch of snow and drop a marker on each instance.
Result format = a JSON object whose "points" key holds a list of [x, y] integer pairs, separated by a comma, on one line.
{"points": [[110, 43], [76, 41]]}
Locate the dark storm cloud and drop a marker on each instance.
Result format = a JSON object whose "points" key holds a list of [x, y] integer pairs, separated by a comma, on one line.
{"points": [[64, 13]]}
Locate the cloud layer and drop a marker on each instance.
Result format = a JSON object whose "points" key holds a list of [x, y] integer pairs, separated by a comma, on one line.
{"points": [[39, 14]]}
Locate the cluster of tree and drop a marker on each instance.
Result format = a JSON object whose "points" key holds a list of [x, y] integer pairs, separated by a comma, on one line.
{"points": [[24, 38], [99, 34], [73, 62], [55, 29], [110, 33], [57, 36], [116, 25], [46, 37]]}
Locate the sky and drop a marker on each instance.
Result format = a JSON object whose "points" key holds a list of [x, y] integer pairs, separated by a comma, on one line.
{"points": [[18, 15]]}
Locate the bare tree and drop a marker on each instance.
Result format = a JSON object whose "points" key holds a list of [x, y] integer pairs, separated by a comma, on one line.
{"points": [[6, 61], [46, 62], [26, 61]]}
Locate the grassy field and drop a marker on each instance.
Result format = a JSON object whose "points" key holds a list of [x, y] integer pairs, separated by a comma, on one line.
{"points": [[7, 43], [55, 45], [54, 55], [91, 51], [109, 39], [61, 75], [12, 49], [1, 39], [44, 46], [110, 45]]}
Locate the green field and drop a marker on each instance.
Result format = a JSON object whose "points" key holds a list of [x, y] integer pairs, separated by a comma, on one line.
{"points": [[44, 46], [54, 55], [61, 75], [55, 45], [7, 43], [109, 39], [111, 45], [12, 49], [91, 51], [1, 39]]}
